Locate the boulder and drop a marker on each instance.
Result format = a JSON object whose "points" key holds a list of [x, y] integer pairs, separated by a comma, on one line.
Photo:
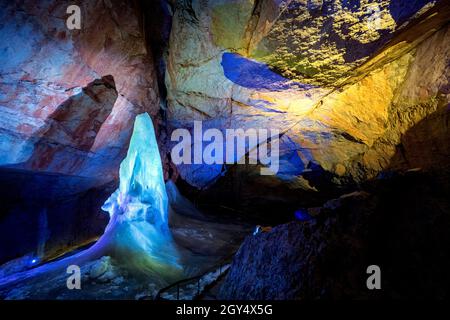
{"points": [[397, 224]]}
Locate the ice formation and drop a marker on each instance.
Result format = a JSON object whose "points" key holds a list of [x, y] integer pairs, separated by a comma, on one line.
{"points": [[138, 231], [179, 204], [137, 235], [142, 194]]}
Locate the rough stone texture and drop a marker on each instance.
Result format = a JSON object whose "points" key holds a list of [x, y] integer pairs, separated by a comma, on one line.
{"points": [[68, 99], [45, 64], [399, 226], [322, 41], [298, 260], [343, 104], [356, 88]]}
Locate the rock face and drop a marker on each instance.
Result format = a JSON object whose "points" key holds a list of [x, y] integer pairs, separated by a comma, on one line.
{"points": [[45, 215], [356, 88], [46, 64], [343, 85], [68, 99], [67, 135], [301, 260], [398, 227]]}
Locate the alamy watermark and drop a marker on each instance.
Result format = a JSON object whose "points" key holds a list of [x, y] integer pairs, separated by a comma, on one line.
{"points": [[235, 146], [73, 22], [74, 280]]}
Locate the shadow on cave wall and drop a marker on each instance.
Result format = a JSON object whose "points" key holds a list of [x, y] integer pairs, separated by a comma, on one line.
{"points": [[48, 207], [247, 195], [409, 233], [64, 143], [426, 145]]}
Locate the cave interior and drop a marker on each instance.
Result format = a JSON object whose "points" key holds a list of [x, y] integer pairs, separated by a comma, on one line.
{"points": [[117, 153]]}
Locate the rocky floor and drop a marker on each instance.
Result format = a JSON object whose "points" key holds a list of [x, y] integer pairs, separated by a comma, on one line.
{"points": [[201, 242]]}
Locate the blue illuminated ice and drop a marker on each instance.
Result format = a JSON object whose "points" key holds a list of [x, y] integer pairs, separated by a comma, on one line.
{"points": [[142, 194], [138, 230], [137, 236]]}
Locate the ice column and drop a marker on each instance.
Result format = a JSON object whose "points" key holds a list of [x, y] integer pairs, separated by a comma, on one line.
{"points": [[138, 227]]}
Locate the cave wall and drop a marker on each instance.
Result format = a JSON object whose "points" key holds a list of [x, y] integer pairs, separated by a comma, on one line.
{"points": [[398, 224], [46, 64], [352, 100], [341, 92], [67, 106]]}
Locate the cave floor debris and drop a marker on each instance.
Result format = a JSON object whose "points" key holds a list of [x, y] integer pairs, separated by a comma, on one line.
{"points": [[202, 243]]}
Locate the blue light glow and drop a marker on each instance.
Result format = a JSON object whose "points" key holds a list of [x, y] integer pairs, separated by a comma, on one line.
{"points": [[303, 215], [138, 229], [255, 75]]}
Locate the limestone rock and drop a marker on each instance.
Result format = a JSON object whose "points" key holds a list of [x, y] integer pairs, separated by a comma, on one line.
{"points": [[394, 226], [337, 84], [68, 99], [47, 65]]}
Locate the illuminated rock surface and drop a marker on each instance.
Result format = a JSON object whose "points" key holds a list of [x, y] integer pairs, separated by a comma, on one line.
{"points": [[401, 221], [342, 92], [138, 232], [45, 64], [358, 89]]}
